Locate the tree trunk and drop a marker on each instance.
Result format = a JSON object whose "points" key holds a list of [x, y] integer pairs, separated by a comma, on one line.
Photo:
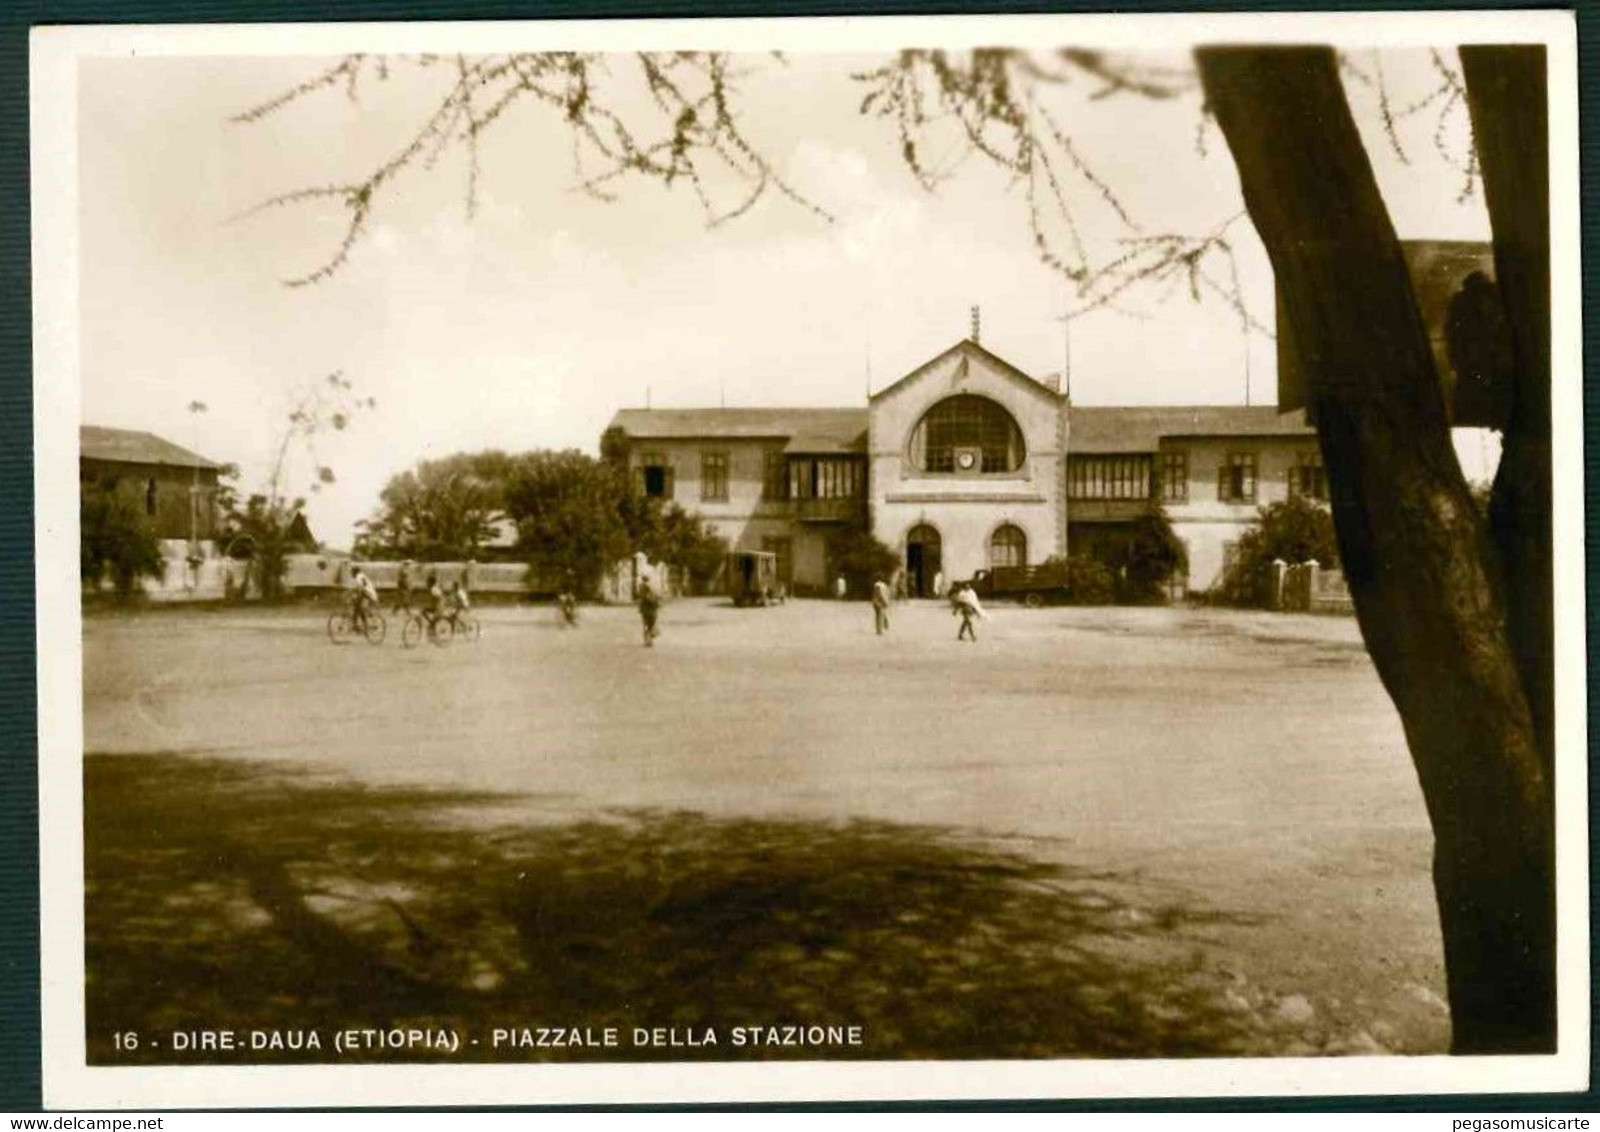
{"points": [[1506, 95], [1416, 554]]}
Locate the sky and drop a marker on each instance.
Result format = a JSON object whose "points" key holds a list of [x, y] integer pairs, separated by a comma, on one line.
{"points": [[530, 322]]}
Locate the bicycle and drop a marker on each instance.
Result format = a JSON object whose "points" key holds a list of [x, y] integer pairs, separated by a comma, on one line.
{"points": [[436, 627], [465, 626], [342, 623]]}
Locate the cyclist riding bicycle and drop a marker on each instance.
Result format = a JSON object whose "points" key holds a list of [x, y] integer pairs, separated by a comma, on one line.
{"points": [[432, 598], [363, 597]]}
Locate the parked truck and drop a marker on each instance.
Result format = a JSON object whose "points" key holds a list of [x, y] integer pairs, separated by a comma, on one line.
{"points": [[752, 577], [1033, 586]]}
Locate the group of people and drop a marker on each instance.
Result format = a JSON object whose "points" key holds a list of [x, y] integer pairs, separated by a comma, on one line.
{"points": [[436, 601], [963, 603]]}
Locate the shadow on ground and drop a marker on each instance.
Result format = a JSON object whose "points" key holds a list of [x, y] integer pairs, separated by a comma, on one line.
{"points": [[231, 896]]}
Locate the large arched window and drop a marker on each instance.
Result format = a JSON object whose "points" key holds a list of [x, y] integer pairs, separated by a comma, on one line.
{"points": [[967, 427], [1008, 546]]}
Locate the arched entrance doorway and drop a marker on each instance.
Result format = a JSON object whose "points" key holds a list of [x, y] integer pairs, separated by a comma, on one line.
{"points": [[922, 560]]}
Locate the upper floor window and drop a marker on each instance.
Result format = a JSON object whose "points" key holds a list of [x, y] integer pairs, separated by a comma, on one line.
{"points": [[967, 433], [714, 476], [1008, 546], [1307, 477], [150, 497], [1175, 477], [827, 477], [1236, 478], [774, 475], [1108, 477], [654, 475]]}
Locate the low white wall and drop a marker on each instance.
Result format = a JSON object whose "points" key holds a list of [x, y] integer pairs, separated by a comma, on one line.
{"points": [[216, 578], [207, 578]]}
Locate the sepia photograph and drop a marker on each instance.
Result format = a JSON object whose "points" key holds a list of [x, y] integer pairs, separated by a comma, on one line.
{"points": [[769, 559]]}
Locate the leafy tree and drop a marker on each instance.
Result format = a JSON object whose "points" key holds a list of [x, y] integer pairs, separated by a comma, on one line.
{"points": [[441, 509], [614, 447], [115, 539], [861, 559], [1457, 614], [682, 539], [565, 505], [1294, 531], [262, 532], [574, 514], [1149, 557], [226, 499]]}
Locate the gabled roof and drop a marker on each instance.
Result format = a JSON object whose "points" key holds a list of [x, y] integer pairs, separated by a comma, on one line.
{"points": [[804, 430], [299, 534], [1137, 428], [848, 437], [128, 446], [971, 349]]}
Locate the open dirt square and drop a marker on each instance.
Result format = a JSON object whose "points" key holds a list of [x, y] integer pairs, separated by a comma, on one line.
{"points": [[1108, 832]]}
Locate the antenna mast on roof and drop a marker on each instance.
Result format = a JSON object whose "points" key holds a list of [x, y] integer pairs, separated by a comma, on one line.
{"points": [[1247, 368], [647, 395], [1066, 353], [1066, 356], [869, 365]]}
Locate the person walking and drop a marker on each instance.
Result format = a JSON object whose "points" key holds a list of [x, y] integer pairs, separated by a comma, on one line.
{"points": [[649, 610], [567, 601], [938, 583], [968, 609], [880, 605], [839, 588]]}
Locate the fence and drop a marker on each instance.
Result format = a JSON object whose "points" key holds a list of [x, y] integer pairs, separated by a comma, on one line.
{"points": [[1309, 588]]}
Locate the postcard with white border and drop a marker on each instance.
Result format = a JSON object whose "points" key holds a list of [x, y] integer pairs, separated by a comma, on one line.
{"points": [[816, 559]]}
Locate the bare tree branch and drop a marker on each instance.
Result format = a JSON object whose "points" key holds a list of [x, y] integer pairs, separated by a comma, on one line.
{"points": [[693, 136]]}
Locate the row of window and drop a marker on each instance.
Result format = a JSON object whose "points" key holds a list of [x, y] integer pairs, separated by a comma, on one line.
{"points": [[1129, 477], [783, 477], [1088, 477], [655, 478]]}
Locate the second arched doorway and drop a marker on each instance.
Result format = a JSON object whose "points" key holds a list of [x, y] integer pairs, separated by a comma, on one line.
{"points": [[924, 570]]}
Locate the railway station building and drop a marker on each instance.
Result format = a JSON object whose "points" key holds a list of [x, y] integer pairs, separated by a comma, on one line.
{"points": [[968, 463]]}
